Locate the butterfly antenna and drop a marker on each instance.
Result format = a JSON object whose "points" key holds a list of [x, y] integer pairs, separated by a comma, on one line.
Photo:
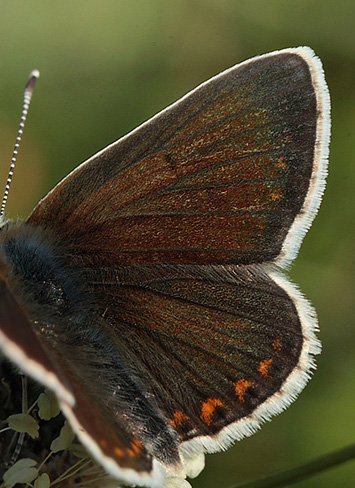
{"points": [[26, 103]]}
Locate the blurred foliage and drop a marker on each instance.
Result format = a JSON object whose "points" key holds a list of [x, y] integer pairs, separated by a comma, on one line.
{"points": [[106, 67]]}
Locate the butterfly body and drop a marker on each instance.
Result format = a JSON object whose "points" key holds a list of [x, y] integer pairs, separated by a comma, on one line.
{"points": [[146, 286], [35, 261], [65, 316]]}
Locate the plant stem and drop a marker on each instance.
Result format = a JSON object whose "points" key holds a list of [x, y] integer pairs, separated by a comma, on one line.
{"points": [[302, 471]]}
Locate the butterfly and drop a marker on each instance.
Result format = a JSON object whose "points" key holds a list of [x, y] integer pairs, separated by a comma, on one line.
{"points": [[146, 288]]}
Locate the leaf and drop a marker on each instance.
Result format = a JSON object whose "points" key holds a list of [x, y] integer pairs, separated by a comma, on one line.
{"points": [[48, 405], [64, 439], [23, 422], [42, 481], [23, 471]]}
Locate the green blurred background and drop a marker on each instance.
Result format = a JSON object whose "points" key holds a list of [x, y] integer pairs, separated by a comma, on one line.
{"points": [[106, 67]]}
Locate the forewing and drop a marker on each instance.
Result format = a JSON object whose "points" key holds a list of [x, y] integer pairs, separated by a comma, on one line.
{"points": [[222, 176], [216, 346]]}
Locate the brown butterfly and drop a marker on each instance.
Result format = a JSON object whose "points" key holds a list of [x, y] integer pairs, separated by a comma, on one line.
{"points": [[145, 288]]}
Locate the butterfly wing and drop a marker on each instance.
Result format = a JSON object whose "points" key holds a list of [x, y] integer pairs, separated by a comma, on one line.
{"points": [[222, 176], [20, 342], [221, 349]]}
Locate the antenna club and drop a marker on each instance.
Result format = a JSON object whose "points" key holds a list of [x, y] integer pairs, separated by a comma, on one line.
{"points": [[35, 73], [32, 80]]}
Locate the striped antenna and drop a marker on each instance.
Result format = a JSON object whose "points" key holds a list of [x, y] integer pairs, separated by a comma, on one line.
{"points": [[26, 103]]}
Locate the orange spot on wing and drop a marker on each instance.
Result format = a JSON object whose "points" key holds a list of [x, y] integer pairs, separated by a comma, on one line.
{"points": [[277, 344], [137, 446], [281, 162], [241, 387], [208, 409], [275, 195], [119, 452], [264, 367], [178, 419]]}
